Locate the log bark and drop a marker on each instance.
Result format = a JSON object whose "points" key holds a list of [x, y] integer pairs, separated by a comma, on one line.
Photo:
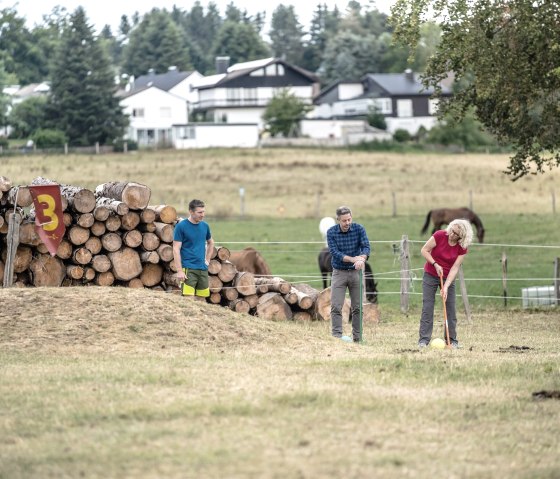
{"points": [[170, 279], [274, 284], [272, 306], [291, 298], [151, 275], [126, 264], [111, 242], [227, 272], [239, 306], [47, 270], [115, 206], [101, 263], [164, 232], [135, 195], [244, 282], [304, 301], [133, 238], [262, 289], [164, 213]]}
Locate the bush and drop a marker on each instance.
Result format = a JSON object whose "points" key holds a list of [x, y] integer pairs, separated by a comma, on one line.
{"points": [[4, 143], [402, 136], [49, 138], [118, 145]]}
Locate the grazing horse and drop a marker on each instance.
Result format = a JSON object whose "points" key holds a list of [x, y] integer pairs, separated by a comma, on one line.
{"points": [[325, 266], [444, 216], [250, 260]]}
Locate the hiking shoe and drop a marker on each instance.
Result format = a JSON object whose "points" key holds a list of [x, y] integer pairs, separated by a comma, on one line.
{"points": [[455, 345], [356, 340], [348, 339], [422, 345]]}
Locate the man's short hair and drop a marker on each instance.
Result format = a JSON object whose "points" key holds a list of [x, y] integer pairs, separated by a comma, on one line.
{"points": [[194, 204], [343, 210]]}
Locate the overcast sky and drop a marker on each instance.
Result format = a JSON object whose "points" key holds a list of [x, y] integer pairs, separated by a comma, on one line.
{"points": [[101, 12]]}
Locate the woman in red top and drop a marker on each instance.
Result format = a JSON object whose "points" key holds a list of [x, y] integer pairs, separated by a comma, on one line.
{"points": [[444, 253]]}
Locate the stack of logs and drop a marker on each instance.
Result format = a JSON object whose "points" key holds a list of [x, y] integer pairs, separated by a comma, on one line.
{"points": [[115, 238]]}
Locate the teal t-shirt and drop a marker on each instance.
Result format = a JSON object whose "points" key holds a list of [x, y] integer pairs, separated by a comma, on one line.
{"points": [[193, 238]]}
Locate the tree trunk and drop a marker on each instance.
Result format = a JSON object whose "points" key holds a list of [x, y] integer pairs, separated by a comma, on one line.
{"points": [[101, 212], [64, 250], [214, 267], [5, 184], [223, 253], [291, 298], [302, 316], [273, 306], [135, 283], [229, 293], [135, 195], [23, 195], [22, 259], [126, 264], [164, 213], [147, 227], [215, 284], [85, 220], [170, 279], [151, 274], [89, 274], [215, 298], [28, 234], [252, 299], [47, 270], [147, 215]]}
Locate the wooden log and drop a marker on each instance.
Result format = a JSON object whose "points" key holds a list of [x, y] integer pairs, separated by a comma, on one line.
{"points": [[79, 199], [135, 283], [147, 216], [111, 241], [133, 238], [89, 274], [21, 194], [1, 262], [214, 267], [81, 256], [101, 212], [47, 270], [262, 289], [302, 316], [275, 284], [114, 206], [4, 227], [322, 307], [2, 221], [147, 227], [227, 272], [101, 263], [308, 290], [67, 219], [229, 293], [130, 221], [304, 301], [113, 223], [22, 259], [94, 245], [214, 283], [151, 274], [149, 257], [78, 235], [239, 306], [74, 271], [64, 250], [272, 306], [98, 228], [215, 298], [370, 313], [126, 264], [223, 253], [164, 232], [252, 300], [28, 234], [5, 184], [85, 220], [165, 252], [291, 297], [150, 241], [171, 279], [135, 195], [244, 282], [104, 279], [164, 213]]}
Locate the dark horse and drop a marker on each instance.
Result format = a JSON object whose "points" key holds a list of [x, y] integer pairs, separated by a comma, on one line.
{"points": [[325, 266], [444, 216]]}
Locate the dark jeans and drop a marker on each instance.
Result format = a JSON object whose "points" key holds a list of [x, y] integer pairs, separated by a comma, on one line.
{"points": [[340, 280], [430, 285]]}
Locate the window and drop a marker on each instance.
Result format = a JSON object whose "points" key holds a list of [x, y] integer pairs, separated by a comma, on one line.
{"points": [[138, 112], [404, 108], [271, 70]]}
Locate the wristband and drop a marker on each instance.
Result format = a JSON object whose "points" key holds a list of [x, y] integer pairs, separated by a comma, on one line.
{"points": [[434, 264]]}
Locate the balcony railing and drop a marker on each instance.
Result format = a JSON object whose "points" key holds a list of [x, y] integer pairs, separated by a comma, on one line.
{"points": [[234, 102]]}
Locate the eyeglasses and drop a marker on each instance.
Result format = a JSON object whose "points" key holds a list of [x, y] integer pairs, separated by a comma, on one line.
{"points": [[456, 234]]}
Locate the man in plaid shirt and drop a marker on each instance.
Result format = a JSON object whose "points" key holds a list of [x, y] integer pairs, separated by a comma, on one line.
{"points": [[349, 247]]}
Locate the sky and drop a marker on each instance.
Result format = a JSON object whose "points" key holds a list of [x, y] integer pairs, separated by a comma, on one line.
{"points": [[101, 12]]}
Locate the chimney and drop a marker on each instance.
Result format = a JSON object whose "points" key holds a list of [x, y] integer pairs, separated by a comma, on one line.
{"points": [[409, 74], [222, 64], [172, 68], [151, 72]]}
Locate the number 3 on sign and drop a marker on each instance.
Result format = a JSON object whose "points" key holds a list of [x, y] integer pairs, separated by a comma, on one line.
{"points": [[48, 206]]}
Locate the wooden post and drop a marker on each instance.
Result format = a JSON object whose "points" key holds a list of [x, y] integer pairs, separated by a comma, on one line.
{"points": [[394, 204], [405, 274], [557, 280], [65, 148], [125, 147], [97, 148], [504, 276], [464, 295], [12, 240]]}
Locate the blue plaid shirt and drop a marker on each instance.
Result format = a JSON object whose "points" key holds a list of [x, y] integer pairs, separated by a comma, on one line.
{"points": [[352, 243]]}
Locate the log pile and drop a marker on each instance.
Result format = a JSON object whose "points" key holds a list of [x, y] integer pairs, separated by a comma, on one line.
{"points": [[114, 237]]}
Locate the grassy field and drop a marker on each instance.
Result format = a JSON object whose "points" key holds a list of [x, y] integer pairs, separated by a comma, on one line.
{"points": [[140, 384], [122, 383]]}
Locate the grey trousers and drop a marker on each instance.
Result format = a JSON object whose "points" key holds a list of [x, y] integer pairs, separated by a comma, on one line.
{"points": [[430, 285], [340, 280]]}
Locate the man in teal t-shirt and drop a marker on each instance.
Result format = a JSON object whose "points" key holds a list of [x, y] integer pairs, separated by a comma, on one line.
{"points": [[192, 249]]}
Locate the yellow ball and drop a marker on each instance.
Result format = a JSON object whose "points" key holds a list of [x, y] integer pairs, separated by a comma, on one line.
{"points": [[437, 343]]}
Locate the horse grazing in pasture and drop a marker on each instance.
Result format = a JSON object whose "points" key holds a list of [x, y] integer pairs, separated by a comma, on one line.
{"points": [[251, 261], [444, 216], [325, 266]]}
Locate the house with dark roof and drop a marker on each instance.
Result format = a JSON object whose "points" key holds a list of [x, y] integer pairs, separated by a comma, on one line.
{"points": [[399, 97], [156, 102], [240, 93]]}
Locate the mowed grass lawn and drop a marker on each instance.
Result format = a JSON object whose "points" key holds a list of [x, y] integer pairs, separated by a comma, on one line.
{"points": [[122, 383]]}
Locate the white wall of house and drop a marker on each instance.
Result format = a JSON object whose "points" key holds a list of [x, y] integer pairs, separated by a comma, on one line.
{"points": [[349, 90], [239, 115], [350, 131], [212, 135], [411, 124], [152, 112], [185, 90]]}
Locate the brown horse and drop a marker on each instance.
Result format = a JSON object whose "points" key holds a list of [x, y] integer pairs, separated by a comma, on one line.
{"points": [[250, 260], [444, 216]]}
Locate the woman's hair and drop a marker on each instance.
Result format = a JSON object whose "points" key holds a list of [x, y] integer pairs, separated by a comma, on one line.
{"points": [[466, 232]]}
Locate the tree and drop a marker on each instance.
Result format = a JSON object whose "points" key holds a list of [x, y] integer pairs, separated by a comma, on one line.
{"points": [[284, 112], [82, 103], [504, 57], [28, 116], [286, 35], [324, 25], [240, 42]]}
